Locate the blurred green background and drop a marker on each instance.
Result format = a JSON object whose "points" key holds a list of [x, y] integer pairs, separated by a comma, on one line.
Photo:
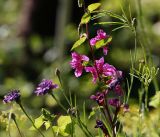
{"points": [[36, 37]]}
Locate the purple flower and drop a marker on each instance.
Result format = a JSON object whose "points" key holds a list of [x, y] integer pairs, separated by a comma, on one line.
{"points": [[114, 102], [118, 89], [99, 97], [77, 63], [100, 124], [13, 95], [44, 87]]}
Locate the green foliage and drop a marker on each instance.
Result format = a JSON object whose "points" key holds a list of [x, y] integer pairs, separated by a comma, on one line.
{"points": [[139, 124], [85, 18], [63, 126], [155, 100], [45, 119], [79, 42], [103, 42], [146, 73], [93, 7]]}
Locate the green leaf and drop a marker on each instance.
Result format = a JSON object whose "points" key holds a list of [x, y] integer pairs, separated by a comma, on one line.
{"points": [[85, 18], [47, 115], [79, 42], [103, 42], [155, 100], [47, 124], [38, 122], [92, 113], [93, 6], [109, 23], [63, 126]]}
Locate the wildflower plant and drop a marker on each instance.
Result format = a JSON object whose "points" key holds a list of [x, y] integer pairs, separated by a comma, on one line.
{"points": [[112, 115]]}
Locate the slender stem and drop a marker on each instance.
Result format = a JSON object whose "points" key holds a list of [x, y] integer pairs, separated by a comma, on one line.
{"points": [[84, 127], [17, 127], [110, 118], [91, 49], [146, 98], [30, 118], [59, 103]]}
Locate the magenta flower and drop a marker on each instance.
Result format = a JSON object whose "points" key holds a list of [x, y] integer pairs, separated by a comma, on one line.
{"points": [[99, 98], [93, 41], [99, 65], [45, 86], [104, 70], [94, 73], [100, 35], [113, 73], [77, 63], [115, 102], [95, 70], [118, 89]]}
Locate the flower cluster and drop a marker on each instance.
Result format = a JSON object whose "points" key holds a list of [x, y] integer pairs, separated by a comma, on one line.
{"points": [[44, 87], [108, 78], [104, 70], [99, 69], [13, 95], [100, 35]]}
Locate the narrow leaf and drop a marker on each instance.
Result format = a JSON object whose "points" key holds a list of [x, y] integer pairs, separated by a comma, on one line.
{"points": [[109, 23]]}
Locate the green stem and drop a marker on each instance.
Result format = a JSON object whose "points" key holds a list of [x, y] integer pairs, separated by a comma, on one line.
{"points": [[17, 127], [110, 118], [30, 119], [146, 98], [84, 128], [59, 103]]}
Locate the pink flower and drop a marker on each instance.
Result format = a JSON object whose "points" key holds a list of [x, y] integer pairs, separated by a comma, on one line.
{"points": [[77, 63], [114, 74], [100, 35], [105, 50], [93, 41], [93, 71], [106, 70], [99, 65]]}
